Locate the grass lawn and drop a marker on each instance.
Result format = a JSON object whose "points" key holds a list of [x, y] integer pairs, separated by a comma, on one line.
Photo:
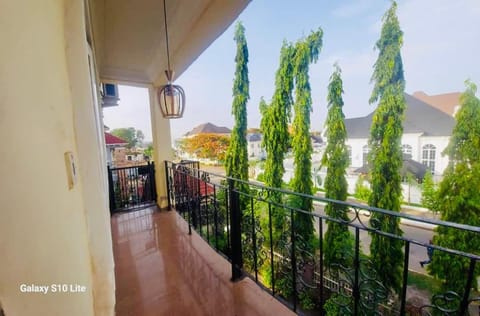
{"points": [[424, 282]]}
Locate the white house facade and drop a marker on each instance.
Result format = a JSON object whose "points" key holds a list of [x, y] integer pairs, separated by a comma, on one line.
{"points": [[427, 131], [254, 146]]}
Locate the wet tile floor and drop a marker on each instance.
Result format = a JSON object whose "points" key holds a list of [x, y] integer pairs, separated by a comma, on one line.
{"points": [[161, 270]]}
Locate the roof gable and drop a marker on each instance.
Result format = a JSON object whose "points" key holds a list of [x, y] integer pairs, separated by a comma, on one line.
{"points": [[208, 128], [114, 140], [420, 117], [446, 102]]}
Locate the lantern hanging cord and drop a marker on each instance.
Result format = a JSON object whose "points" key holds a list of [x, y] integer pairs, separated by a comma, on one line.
{"points": [[166, 32]]}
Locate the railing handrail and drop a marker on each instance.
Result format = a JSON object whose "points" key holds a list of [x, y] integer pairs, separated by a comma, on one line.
{"points": [[475, 229], [130, 167], [191, 190]]}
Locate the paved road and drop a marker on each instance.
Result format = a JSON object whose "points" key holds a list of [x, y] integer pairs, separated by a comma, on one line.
{"points": [[417, 253]]}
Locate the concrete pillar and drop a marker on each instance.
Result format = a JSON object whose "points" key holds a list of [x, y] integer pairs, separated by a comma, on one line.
{"points": [[162, 146]]}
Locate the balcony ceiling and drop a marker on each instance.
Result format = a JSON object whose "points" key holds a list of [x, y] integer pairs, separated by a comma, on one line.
{"points": [[129, 36]]}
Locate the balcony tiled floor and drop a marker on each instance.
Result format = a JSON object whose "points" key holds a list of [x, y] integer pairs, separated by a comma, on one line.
{"points": [[161, 270]]}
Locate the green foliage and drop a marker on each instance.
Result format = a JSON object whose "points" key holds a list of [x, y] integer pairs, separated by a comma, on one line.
{"points": [[307, 299], [306, 52], [338, 240], [132, 136], [276, 138], [333, 306], [429, 194], [424, 282], [261, 177], [275, 119], [459, 197], [237, 156], [149, 151], [362, 191], [385, 157]]}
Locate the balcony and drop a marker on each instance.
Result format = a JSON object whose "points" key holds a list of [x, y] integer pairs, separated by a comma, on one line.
{"points": [[220, 254], [162, 270]]}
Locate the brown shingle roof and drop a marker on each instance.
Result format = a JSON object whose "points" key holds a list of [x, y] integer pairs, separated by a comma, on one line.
{"points": [[446, 102], [208, 128]]}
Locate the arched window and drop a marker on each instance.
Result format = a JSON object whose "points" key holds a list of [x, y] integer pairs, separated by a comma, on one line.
{"points": [[407, 151], [366, 150], [428, 156]]}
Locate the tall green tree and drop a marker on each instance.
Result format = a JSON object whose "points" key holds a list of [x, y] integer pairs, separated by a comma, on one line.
{"points": [[276, 138], [459, 197], [149, 151], [338, 240], [237, 155], [130, 134], [306, 52], [429, 194], [386, 157]]}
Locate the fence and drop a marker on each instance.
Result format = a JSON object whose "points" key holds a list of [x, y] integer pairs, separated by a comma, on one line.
{"points": [[131, 187], [257, 229]]}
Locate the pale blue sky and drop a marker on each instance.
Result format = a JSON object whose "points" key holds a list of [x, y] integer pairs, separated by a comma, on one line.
{"points": [[441, 49]]}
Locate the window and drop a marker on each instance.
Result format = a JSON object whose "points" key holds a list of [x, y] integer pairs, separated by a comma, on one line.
{"points": [[129, 158], [428, 156], [407, 151], [366, 150]]}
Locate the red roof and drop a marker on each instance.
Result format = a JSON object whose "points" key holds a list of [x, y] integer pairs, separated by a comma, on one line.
{"points": [[114, 140]]}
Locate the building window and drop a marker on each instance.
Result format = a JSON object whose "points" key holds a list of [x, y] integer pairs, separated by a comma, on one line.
{"points": [[428, 156], [407, 151], [129, 158], [366, 150]]}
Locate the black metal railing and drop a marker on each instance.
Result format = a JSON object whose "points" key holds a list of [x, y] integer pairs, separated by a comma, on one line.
{"points": [[131, 187], [254, 227]]}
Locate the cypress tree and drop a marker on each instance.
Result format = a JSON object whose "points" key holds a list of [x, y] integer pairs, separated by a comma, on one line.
{"points": [[429, 195], [237, 156], [276, 138], [306, 52], [386, 156], [459, 197], [338, 240]]}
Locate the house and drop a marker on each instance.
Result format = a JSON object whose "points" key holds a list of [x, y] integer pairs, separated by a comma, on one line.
{"points": [[208, 128], [112, 143], [55, 226], [254, 146], [124, 157], [448, 103], [426, 133], [205, 128], [317, 142]]}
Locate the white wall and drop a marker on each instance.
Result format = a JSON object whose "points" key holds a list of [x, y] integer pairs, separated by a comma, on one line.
{"points": [[90, 138], [50, 234], [413, 139], [440, 142], [416, 140], [356, 145], [255, 150]]}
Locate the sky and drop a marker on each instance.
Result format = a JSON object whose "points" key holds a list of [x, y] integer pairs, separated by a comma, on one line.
{"points": [[440, 51]]}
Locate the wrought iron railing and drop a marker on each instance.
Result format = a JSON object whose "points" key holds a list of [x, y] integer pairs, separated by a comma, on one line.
{"points": [[131, 187], [256, 231]]}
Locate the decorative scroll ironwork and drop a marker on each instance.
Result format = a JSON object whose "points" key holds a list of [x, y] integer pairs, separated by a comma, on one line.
{"points": [[276, 256]]}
